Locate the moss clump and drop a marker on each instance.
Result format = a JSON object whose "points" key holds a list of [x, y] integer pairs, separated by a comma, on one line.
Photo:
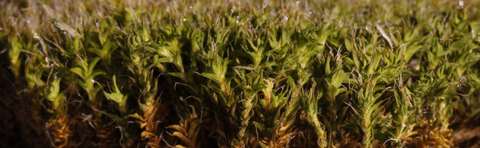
{"points": [[246, 73]]}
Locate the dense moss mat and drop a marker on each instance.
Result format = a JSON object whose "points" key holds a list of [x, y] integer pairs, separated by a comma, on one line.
{"points": [[20, 124], [241, 73]]}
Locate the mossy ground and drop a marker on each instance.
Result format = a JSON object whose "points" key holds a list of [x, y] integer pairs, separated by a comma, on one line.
{"points": [[245, 73]]}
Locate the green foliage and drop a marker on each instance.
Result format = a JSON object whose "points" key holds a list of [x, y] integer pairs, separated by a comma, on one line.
{"points": [[250, 73]]}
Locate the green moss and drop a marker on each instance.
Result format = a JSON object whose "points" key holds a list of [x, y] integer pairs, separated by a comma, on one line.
{"points": [[250, 73]]}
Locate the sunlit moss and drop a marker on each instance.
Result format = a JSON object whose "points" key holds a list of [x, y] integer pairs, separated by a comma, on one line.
{"points": [[247, 73]]}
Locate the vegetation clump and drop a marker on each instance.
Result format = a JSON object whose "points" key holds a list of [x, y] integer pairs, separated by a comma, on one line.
{"points": [[244, 73]]}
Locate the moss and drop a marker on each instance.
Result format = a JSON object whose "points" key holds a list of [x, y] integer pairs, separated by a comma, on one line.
{"points": [[247, 73]]}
